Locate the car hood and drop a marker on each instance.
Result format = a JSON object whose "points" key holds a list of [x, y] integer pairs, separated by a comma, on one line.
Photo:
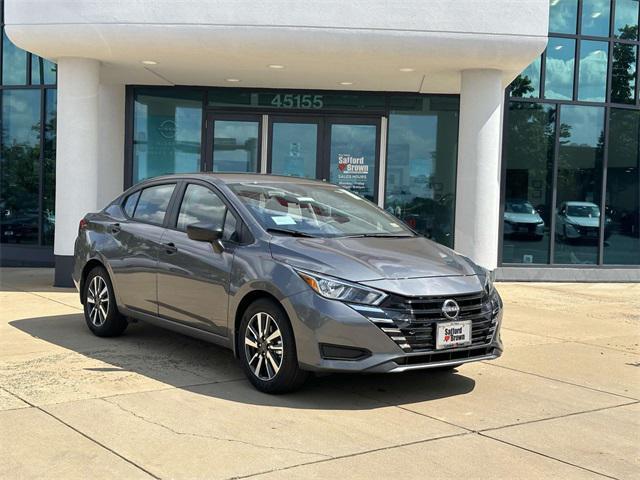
{"points": [[372, 259], [522, 217], [584, 221]]}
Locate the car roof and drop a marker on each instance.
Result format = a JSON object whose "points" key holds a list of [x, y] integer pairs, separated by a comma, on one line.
{"points": [[228, 178]]}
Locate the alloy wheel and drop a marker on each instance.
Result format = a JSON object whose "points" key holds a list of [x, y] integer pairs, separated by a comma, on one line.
{"points": [[263, 346], [98, 300]]}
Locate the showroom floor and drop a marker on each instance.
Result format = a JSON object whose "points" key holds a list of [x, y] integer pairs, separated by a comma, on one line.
{"points": [[563, 401]]}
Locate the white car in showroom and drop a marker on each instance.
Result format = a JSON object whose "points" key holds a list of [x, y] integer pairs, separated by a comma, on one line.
{"points": [[579, 221], [521, 219]]}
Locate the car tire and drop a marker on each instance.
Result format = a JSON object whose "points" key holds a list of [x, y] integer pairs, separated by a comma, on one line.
{"points": [[267, 349], [100, 309]]}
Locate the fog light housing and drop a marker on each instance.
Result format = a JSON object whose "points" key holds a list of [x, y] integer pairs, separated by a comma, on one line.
{"points": [[341, 352]]}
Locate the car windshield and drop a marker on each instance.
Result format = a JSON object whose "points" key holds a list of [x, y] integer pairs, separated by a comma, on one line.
{"points": [[583, 211], [316, 210], [519, 207]]}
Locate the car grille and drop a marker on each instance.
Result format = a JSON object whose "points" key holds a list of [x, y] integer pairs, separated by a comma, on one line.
{"points": [[411, 321]]}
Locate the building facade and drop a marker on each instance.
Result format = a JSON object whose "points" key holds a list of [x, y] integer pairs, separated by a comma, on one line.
{"points": [[403, 104]]}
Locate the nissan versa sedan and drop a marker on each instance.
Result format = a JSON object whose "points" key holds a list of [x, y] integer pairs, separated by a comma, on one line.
{"points": [[295, 276]]}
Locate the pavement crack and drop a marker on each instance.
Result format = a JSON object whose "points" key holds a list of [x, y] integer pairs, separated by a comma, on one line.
{"points": [[213, 437]]}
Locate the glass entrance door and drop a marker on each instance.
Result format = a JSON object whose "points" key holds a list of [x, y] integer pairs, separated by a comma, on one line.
{"points": [[352, 148], [341, 150], [295, 146], [233, 143]]}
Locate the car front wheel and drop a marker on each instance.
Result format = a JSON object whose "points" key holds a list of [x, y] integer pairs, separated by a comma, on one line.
{"points": [[267, 349], [100, 309]]}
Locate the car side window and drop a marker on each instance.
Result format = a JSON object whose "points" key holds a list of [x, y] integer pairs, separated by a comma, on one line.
{"points": [[153, 203], [202, 205], [130, 203]]}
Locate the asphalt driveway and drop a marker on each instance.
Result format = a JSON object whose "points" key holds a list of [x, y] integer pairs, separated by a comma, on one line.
{"points": [[563, 402]]}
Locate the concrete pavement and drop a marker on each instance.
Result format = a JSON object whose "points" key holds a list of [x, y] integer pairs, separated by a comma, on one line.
{"points": [[564, 400]]}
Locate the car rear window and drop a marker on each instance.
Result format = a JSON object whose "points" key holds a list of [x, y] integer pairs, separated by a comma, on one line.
{"points": [[153, 203]]}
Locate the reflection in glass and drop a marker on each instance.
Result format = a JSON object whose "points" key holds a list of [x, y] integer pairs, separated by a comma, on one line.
{"points": [[626, 19], [529, 144], [49, 168], [563, 15], [235, 146], [579, 184], [14, 63], [622, 247], [50, 72], [167, 132], [19, 166], [592, 84], [36, 77], [527, 84], [559, 69], [623, 73], [421, 169], [353, 158], [294, 149], [595, 17]]}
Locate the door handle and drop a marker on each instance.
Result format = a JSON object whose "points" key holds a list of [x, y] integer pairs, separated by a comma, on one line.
{"points": [[115, 228], [170, 248]]}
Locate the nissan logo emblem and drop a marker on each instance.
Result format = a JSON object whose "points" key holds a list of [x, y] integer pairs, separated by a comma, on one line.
{"points": [[450, 309]]}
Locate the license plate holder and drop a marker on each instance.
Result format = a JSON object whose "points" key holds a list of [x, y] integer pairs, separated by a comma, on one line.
{"points": [[453, 334]]}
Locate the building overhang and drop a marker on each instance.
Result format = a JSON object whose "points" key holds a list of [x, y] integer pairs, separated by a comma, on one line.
{"points": [[413, 46]]}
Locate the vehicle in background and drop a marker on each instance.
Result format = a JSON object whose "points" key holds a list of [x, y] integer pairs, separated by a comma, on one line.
{"points": [[521, 219], [580, 221]]}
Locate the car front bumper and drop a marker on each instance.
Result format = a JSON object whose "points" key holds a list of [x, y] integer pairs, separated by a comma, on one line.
{"points": [[318, 322]]}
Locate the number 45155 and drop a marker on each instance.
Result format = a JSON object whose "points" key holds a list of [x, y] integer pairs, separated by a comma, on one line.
{"points": [[297, 101]]}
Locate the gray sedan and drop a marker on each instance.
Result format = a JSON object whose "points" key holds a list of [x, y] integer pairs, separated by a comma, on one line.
{"points": [[293, 275]]}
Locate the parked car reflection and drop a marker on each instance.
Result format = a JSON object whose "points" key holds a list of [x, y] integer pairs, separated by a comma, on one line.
{"points": [[521, 219], [579, 221]]}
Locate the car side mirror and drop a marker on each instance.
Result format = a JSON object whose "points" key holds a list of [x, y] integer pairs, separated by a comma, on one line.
{"points": [[206, 232]]}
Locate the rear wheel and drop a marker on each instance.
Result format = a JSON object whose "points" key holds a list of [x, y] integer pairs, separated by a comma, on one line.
{"points": [[100, 309], [267, 349]]}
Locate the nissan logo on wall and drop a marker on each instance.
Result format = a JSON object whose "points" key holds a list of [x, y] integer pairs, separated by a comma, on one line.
{"points": [[450, 309]]}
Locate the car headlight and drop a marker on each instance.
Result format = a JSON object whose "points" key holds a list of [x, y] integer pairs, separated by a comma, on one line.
{"points": [[490, 290], [334, 289]]}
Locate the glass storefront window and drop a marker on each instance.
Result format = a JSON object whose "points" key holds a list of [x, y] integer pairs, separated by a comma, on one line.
{"points": [[579, 184], [14, 63], [49, 168], [421, 165], [530, 138], [626, 19], [235, 145], [527, 84], [622, 227], [167, 132], [563, 15], [592, 81], [560, 63], [595, 17], [623, 73], [19, 172]]}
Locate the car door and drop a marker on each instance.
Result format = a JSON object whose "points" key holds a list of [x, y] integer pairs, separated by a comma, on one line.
{"points": [[193, 278], [139, 236]]}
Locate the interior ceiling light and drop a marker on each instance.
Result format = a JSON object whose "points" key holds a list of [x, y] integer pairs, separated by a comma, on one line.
{"points": [[596, 14], [346, 83], [275, 66], [407, 69], [558, 47], [233, 80], [149, 62], [554, 2]]}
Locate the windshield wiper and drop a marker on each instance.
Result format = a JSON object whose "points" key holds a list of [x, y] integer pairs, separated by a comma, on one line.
{"points": [[293, 233], [378, 235]]}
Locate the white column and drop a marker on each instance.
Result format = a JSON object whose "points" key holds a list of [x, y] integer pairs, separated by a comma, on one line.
{"points": [[478, 183], [77, 163]]}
